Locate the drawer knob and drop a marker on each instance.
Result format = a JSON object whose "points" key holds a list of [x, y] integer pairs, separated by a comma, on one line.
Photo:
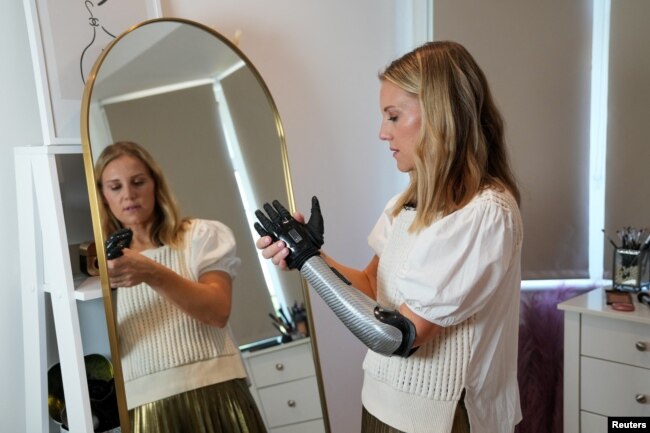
{"points": [[641, 346], [291, 403], [279, 366], [640, 398]]}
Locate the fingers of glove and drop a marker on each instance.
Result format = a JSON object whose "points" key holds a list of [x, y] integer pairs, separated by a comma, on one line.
{"points": [[282, 211], [121, 235], [268, 225], [111, 244], [272, 213], [315, 206], [315, 223], [113, 253], [116, 242], [114, 250], [316, 217], [260, 230]]}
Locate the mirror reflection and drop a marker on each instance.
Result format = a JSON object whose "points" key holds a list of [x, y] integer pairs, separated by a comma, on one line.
{"points": [[185, 142], [174, 288]]}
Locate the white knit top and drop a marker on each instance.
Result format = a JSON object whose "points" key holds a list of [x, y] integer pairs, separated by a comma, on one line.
{"points": [[164, 351], [462, 273]]}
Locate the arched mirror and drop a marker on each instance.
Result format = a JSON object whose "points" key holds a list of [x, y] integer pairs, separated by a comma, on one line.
{"points": [[201, 109]]}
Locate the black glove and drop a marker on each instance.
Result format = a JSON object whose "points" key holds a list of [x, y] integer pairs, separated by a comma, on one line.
{"points": [[315, 225], [303, 240], [117, 242]]}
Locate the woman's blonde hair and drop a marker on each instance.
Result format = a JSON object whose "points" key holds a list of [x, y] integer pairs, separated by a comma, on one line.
{"points": [[168, 227], [461, 148]]}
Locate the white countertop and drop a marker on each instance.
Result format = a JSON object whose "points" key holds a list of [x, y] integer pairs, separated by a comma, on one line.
{"points": [[593, 302], [246, 353]]}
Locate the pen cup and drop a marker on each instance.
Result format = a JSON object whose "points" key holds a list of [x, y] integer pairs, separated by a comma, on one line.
{"points": [[631, 270]]}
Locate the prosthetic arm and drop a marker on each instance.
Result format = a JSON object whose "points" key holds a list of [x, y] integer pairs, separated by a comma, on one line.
{"points": [[383, 331]]}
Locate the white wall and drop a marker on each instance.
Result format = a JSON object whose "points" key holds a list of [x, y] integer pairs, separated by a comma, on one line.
{"points": [[19, 126]]}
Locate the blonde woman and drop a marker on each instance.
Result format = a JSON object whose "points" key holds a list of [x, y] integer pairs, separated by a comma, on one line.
{"points": [[447, 256], [182, 369]]}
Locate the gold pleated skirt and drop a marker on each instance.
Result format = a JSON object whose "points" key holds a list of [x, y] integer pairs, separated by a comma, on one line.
{"points": [[226, 407]]}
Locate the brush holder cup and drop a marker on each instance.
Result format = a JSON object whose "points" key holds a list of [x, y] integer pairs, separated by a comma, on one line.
{"points": [[631, 269]]}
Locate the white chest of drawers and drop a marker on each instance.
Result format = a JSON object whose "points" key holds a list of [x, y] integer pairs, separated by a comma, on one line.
{"points": [[606, 362], [284, 384]]}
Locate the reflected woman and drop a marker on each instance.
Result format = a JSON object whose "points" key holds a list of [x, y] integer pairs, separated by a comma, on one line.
{"points": [[182, 369]]}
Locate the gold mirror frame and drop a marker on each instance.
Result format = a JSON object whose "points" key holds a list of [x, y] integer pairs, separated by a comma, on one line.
{"points": [[99, 236]]}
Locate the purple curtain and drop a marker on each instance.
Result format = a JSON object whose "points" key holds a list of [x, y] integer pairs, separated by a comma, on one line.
{"points": [[541, 357]]}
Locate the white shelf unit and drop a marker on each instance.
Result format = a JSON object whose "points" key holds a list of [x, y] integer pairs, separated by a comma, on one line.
{"points": [[285, 388], [606, 362], [46, 272]]}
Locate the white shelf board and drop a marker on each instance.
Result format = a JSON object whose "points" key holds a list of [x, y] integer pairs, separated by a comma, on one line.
{"points": [[48, 150], [87, 289]]}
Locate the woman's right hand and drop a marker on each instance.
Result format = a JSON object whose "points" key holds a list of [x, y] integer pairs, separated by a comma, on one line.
{"points": [[277, 251], [130, 269]]}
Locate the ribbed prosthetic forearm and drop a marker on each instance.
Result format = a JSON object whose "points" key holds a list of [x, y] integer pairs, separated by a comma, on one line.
{"points": [[355, 309], [383, 331]]}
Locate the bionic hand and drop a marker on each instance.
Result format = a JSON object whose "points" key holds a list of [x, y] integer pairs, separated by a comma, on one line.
{"points": [[303, 240], [117, 242], [383, 331]]}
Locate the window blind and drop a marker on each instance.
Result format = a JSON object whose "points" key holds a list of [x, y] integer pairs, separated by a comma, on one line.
{"points": [[537, 59]]}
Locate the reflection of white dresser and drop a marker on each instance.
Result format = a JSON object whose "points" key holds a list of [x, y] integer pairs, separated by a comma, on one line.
{"points": [[284, 384], [606, 362]]}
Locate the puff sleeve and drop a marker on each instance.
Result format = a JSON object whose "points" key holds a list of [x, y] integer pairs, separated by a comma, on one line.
{"points": [[212, 247], [381, 231], [458, 263]]}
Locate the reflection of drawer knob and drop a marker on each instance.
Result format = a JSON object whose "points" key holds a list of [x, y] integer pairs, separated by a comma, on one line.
{"points": [[291, 403], [640, 398], [279, 366], [640, 346]]}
